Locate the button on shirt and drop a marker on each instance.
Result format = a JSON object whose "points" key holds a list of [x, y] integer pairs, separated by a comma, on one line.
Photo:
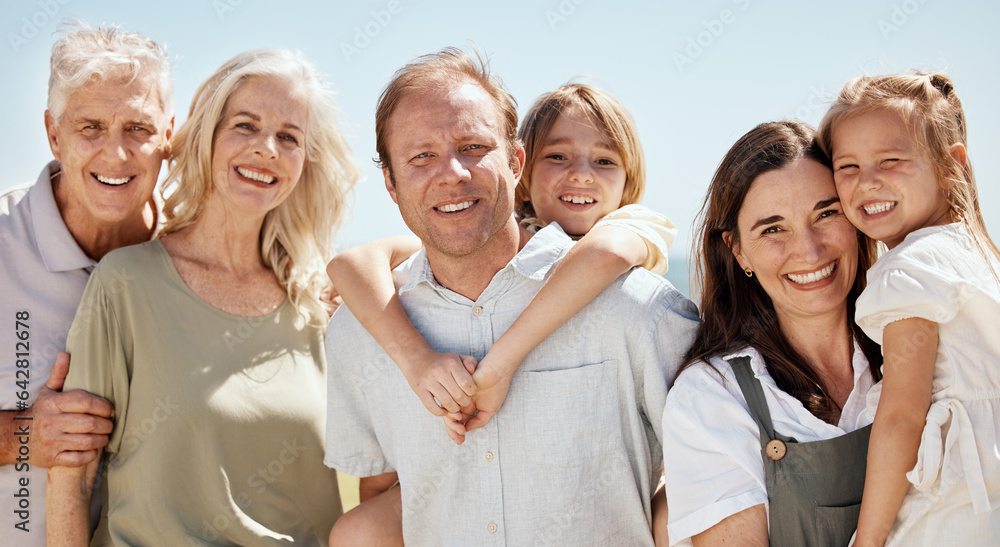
{"points": [[573, 456], [42, 275], [713, 463]]}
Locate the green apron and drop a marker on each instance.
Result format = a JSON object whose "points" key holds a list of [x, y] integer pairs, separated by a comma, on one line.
{"points": [[813, 489]]}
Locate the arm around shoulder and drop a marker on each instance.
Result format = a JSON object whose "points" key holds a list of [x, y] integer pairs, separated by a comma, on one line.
{"points": [[655, 229], [363, 278], [590, 266]]}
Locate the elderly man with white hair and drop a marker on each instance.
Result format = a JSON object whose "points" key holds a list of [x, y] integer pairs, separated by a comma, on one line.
{"points": [[109, 120]]}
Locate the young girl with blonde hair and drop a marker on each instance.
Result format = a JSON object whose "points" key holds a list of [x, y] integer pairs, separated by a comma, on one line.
{"points": [[899, 150]]}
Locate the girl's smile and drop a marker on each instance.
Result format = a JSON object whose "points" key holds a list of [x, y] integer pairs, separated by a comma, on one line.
{"points": [[886, 180]]}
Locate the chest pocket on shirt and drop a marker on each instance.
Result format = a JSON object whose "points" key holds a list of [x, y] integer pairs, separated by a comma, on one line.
{"points": [[571, 416]]}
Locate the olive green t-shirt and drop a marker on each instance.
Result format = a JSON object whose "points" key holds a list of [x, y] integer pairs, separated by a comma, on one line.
{"points": [[219, 423]]}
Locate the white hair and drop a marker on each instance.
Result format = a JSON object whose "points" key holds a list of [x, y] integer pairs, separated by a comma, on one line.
{"points": [[86, 54]]}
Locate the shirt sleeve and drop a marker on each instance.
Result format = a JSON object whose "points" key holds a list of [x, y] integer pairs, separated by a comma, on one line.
{"points": [[352, 445], [904, 291], [655, 229], [99, 354], [711, 450], [670, 332]]}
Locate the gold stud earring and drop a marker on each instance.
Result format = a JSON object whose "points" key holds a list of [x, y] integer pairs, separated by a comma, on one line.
{"points": [[748, 271]]}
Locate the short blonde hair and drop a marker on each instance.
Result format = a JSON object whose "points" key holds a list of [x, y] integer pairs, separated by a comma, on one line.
{"points": [[930, 107], [608, 115], [86, 54], [297, 236]]}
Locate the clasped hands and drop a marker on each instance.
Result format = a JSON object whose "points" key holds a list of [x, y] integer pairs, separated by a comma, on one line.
{"points": [[466, 394]]}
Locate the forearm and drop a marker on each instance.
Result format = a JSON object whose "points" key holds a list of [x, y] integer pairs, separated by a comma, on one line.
{"points": [[892, 452], [746, 528], [67, 505], [910, 349], [589, 267], [363, 278]]}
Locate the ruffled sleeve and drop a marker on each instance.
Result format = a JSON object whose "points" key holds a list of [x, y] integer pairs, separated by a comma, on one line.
{"points": [[903, 290], [711, 450], [655, 229]]}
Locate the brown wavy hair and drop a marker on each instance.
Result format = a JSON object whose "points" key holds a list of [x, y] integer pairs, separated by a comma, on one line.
{"points": [[735, 310]]}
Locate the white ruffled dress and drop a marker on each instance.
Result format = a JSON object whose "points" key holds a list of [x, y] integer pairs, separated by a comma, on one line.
{"points": [[939, 274]]}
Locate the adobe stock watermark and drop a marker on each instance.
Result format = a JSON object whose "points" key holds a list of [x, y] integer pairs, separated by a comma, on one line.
{"points": [[555, 532], [819, 100], [164, 409], [114, 282], [563, 11], [32, 24], [900, 16], [225, 7], [242, 333], [214, 525], [419, 494], [364, 34], [704, 39]]}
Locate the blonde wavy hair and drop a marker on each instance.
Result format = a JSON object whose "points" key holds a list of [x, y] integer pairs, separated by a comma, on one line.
{"points": [[296, 239], [929, 105]]}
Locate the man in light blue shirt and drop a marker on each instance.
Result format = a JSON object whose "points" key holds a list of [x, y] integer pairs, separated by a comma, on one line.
{"points": [[574, 454]]}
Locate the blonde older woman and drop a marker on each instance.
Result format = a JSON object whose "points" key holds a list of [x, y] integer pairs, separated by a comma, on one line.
{"points": [[209, 340]]}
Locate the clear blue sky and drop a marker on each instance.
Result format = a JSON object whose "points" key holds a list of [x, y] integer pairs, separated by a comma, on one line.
{"points": [[696, 75]]}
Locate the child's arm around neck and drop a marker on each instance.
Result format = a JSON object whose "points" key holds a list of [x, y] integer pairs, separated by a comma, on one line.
{"points": [[363, 277]]}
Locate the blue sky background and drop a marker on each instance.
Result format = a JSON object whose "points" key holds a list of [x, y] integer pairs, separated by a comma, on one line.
{"points": [[696, 75]]}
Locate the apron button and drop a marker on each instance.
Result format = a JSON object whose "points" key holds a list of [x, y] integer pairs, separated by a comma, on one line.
{"points": [[775, 450]]}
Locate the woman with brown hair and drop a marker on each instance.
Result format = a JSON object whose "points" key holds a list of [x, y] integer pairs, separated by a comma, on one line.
{"points": [[765, 427]]}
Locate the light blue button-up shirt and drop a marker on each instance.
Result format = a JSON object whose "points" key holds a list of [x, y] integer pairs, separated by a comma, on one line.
{"points": [[574, 454]]}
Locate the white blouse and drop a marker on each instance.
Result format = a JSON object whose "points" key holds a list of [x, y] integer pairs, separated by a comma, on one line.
{"points": [[711, 449]]}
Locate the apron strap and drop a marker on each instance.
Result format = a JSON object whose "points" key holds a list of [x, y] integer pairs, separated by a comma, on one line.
{"points": [[754, 395]]}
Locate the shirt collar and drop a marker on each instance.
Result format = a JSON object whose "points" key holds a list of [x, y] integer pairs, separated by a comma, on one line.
{"points": [[541, 252], [56, 246], [533, 261], [858, 361]]}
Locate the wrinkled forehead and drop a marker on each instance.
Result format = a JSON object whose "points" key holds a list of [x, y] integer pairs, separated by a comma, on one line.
{"points": [[123, 94], [447, 110], [465, 100]]}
